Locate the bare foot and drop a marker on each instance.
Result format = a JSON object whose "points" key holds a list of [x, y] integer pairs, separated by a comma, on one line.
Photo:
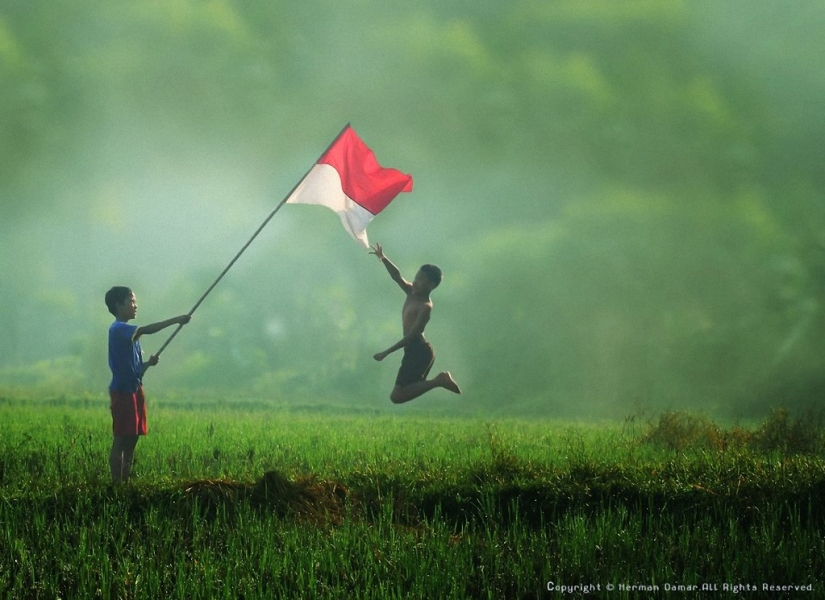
{"points": [[448, 383]]}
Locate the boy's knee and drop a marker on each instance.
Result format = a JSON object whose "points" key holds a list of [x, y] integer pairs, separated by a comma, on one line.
{"points": [[397, 396], [124, 442]]}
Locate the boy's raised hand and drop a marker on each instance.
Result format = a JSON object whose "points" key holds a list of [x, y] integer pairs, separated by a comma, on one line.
{"points": [[183, 319], [378, 251]]}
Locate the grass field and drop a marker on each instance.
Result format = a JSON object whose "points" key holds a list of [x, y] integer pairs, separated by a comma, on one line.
{"points": [[247, 501]]}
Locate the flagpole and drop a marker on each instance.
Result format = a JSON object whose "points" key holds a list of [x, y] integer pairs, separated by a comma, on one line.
{"points": [[254, 235]]}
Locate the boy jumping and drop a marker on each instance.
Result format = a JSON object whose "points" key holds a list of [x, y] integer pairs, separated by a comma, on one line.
{"points": [[128, 404], [418, 353]]}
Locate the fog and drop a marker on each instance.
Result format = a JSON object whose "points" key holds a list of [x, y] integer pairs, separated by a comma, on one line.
{"points": [[626, 199]]}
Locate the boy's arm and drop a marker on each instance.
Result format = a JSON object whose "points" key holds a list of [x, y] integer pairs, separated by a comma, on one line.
{"points": [[155, 327], [416, 331], [395, 274]]}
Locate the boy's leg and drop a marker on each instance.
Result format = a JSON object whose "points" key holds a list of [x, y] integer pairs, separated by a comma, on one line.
{"points": [[128, 456], [128, 416], [401, 394], [412, 375], [121, 456]]}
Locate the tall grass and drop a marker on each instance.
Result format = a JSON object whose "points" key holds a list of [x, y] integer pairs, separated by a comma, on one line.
{"points": [[229, 504]]}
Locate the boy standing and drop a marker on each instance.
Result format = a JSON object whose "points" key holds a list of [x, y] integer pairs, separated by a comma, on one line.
{"points": [[419, 357], [128, 403]]}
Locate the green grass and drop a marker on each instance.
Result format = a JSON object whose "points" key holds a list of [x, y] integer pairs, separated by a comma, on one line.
{"points": [[271, 503]]}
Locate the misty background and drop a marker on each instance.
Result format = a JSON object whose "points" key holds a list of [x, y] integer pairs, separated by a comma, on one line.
{"points": [[626, 198]]}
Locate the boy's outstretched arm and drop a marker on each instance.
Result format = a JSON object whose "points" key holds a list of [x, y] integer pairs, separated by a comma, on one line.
{"points": [[155, 327], [395, 274]]}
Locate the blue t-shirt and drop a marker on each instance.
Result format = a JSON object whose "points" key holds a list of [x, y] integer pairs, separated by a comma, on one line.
{"points": [[125, 357]]}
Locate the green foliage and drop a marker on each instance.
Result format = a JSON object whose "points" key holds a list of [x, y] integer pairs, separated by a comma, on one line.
{"points": [[803, 434], [779, 433], [680, 431], [625, 196]]}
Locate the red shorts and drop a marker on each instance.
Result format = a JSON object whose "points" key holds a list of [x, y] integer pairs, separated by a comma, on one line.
{"points": [[128, 412]]}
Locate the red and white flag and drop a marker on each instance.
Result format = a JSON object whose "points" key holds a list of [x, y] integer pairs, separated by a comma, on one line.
{"points": [[349, 180]]}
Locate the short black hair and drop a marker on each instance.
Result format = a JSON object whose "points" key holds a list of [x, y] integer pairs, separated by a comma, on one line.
{"points": [[433, 273], [116, 296]]}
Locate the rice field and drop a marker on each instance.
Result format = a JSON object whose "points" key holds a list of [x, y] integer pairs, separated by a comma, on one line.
{"points": [[251, 501]]}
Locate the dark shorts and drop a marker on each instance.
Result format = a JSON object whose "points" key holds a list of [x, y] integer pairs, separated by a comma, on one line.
{"points": [[416, 364], [128, 412]]}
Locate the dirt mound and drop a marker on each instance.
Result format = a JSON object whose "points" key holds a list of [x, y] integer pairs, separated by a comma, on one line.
{"points": [[305, 497]]}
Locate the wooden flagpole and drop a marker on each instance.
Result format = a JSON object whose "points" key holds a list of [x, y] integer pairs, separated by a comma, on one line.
{"points": [[254, 235]]}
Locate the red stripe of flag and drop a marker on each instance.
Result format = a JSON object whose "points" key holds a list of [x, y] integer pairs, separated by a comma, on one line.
{"points": [[362, 178]]}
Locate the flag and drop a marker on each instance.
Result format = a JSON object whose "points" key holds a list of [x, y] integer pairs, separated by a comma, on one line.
{"points": [[348, 179]]}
